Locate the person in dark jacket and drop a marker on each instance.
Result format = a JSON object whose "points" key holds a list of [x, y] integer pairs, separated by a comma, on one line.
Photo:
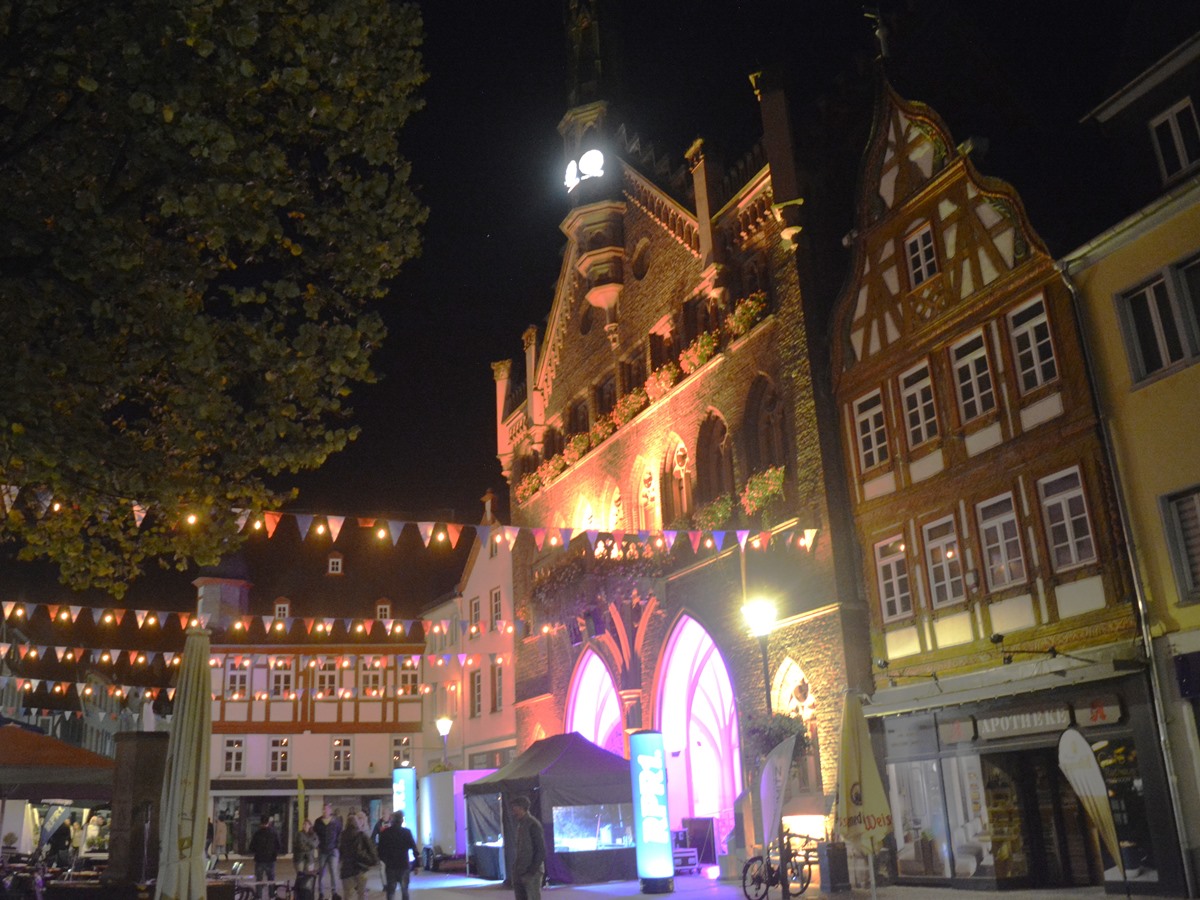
{"points": [[328, 829], [395, 844], [529, 855], [264, 845], [358, 857]]}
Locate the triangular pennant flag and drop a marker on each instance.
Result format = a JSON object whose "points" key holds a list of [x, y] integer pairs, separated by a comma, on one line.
{"points": [[267, 620], [694, 537], [483, 533], [335, 525], [764, 537], [462, 658], [204, 618], [7, 606], [453, 532], [426, 529], [539, 537], [52, 610], [592, 534], [139, 514], [510, 534], [643, 536], [41, 499], [9, 493], [304, 523], [719, 539], [618, 536], [328, 625], [120, 615], [395, 526], [308, 624], [566, 536], [242, 516], [365, 523], [140, 615], [669, 538], [742, 534], [271, 521]]}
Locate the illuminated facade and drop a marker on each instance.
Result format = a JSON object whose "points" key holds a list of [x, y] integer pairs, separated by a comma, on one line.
{"points": [[674, 378], [1001, 604]]}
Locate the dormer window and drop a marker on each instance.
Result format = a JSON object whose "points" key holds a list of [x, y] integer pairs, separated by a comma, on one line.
{"points": [[383, 610], [1176, 139], [922, 258], [335, 564], [282, 608]]}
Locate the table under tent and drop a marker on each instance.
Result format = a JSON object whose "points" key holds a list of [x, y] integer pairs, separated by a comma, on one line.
{"points": [[582, 795]]}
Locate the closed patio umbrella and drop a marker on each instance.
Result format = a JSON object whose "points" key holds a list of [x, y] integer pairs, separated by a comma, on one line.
{"points": [[864, 816], [184, 810]]}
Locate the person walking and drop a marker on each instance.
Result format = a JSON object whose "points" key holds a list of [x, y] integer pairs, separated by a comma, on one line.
{"points": [[529, 857], [221, 837], [358, 857], [328, 829], [395, 843], [264, 845]]}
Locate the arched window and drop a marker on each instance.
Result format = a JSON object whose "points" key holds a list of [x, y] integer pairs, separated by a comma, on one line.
{"points": [[676, 483], [714, 460], [765, 445], [593, 707]]}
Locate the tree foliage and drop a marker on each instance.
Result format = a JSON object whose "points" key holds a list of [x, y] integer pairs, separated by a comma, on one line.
{"points": [[200, 203]]}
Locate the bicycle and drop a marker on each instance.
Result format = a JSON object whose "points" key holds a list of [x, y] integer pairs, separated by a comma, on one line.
{"points": [[759, 875]]}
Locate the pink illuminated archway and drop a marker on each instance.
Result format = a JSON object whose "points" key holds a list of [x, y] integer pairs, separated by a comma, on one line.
{"points": [[697, 715], [593, 707]]}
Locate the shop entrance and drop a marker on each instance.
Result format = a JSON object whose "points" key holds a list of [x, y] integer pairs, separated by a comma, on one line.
{"points": [[1039, 830]]}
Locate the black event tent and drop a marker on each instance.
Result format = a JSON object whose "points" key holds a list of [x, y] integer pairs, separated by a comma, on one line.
{"points": [[566, 770]]}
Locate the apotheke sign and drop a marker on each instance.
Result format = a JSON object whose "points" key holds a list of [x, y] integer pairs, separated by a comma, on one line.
{"points": [[1017, 723]]}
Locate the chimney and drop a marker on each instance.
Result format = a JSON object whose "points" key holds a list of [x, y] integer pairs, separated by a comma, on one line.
{"points": [[703, 182]]}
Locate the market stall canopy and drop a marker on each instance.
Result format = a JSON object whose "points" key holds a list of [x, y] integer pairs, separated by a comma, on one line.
{"points": [[34, 766]]}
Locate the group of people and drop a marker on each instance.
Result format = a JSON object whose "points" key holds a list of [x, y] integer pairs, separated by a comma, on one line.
{"points": [[343, 853]]}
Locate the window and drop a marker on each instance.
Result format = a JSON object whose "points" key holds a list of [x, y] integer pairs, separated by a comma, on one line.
{"points": [[920, 412], [237, 680], [1067, 527], [280, 761], [234, 756], [1176, 139], [1160, 320], [922, 260], [633, 372], [401, 752], [1183, 524], [407, 680], [497, 609], [282, 609], [1032, 346], [335, 564], [945, 567], [663, 347], [577, 418], [476, 696], [606, 396], [281, 679], [973, 378], [699, 316], [764, 427], [341, 760], [871, 430], [383, 610], [497, 687], [371, 678], [473, 607], [494, 546], [327, 679], [891, 566], [714, 460], [1001, 537]]}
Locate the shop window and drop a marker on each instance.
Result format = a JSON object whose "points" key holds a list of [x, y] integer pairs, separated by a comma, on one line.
{"points": [[943, 563], [920, 411], [1032, 347], [871, 430], [1068, 528], [1176, 139], [1183, 526], [973, 378], [1001, 538], [922, 258], [891, 569], [922, 840]]}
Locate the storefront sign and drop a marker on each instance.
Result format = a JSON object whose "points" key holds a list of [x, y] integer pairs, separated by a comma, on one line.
{"points": [[404, 794], [910, 735], [956, 731], [1102, 710], [1017, 723], [651, 826]]}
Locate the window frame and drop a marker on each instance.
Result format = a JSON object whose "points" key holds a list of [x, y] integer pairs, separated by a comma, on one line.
{"points": [[967, 364], [236, 673], [341, 754], [902, 598], [1062, 500], [1003, 542], [401, 751], [1171, 116], [371, 677], [497, 685], [334, 564], [327, 680], [279, 755], [497, 607], [922, 265], [383, 610], [408, 681], [1031, 331], [928, 425], [1184, 311], [283, 609], [474, 617], [872, 444], [475, 693], [233, 758], [945, 572], [1186, 567], [282, 680]]}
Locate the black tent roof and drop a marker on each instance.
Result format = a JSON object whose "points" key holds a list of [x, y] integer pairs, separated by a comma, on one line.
{"points": [[568, 769]]}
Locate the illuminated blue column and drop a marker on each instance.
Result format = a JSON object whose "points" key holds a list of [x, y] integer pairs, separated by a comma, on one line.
{"points": [[651, 824], [404, 795]]}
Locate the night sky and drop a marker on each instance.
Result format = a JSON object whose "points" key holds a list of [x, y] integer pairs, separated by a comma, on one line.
{"points": [[487, 161]]}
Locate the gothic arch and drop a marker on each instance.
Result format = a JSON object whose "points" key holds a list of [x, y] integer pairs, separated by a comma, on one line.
{"points": [[677, 474], [763, 430], [714, 459], [593, 706], [645, 510]]}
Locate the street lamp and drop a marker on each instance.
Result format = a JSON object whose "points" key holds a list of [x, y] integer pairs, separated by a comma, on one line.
{"points": [[444, 724], [760, 619]]}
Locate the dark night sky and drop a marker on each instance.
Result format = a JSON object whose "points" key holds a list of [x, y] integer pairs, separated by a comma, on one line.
{"points": [[486, 157]]}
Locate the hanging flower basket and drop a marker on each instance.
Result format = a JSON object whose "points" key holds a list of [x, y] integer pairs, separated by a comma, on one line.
{"points": [[762, 490], [702, 349], [661, 380], [748, 312], [629, 406]]}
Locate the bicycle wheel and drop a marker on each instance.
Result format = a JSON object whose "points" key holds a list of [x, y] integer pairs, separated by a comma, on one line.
{"points": [[799, 874], [755, 879]]}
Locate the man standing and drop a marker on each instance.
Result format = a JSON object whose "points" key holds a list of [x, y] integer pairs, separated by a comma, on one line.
{"points": [[529, 855], [395, 843], [264, 844], [358, 857], [329, 832]]}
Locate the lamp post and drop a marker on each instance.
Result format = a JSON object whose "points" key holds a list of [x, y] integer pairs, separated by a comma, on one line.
{"points": [[760, 619], [444, 724]]}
